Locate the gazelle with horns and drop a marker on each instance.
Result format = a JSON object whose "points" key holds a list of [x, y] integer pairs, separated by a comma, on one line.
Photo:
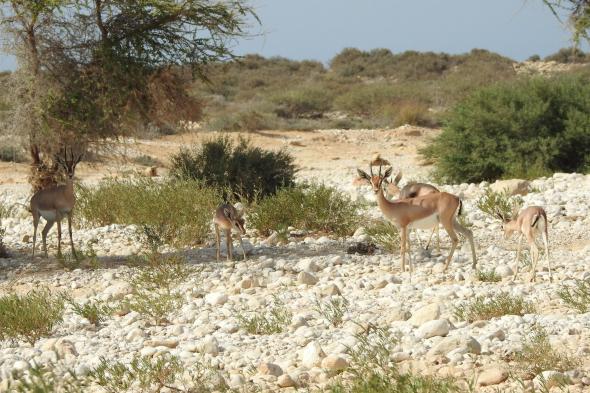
{"points": [[227, 217], [531, 223], [55, 202], [414, 190], [420, 212]]}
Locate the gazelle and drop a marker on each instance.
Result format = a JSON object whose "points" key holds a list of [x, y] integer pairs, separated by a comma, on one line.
{"points": [[413, 190], [55, 202], [420, 212], [227, 217], [530, 223]]}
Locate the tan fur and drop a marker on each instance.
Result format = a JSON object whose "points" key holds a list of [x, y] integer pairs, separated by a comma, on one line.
{"points": [[55, 203], [403, 212], [227, 217], [531, 223]]}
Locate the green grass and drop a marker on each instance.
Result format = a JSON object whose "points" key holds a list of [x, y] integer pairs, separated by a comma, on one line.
{"points": [[385, 235], [171, 212], [95, 311], [372, 370], [313, 207], [576, 296], [333, 309], [487, 276], [31, 316], [539, 355], [499, 204], [276, 319], [154, 286], [486, 307]]}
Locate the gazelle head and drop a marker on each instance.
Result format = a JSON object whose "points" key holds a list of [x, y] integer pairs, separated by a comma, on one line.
{"points": [[376, 181], [69, 163], [236, 217], [509, 224]]}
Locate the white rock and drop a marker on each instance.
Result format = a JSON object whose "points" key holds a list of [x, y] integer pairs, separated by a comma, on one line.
{"points": [[504, 271], [210, 345], [285, 381], [437, 327], [216, 298], [425, 314], [492, 376], [466, 344], [307, 278], [511, 186], [307, 265], [270, 369], [334, 362], [312, 355]]}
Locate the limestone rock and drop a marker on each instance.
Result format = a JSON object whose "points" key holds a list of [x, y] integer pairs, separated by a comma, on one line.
{"points": [[425, 314], [492, 376]]}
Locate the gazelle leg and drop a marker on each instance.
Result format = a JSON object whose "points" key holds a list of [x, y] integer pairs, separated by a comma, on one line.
{"points": [[59, 236], [44, 232], [35, 224], [534, 258], [70, 231], [469, 236], [409, 252], [430, 238], [217, 242], [517, 259], [403, 248], [437, 228], [242, 245], [546, 243], [229, 244], [417, 238]]}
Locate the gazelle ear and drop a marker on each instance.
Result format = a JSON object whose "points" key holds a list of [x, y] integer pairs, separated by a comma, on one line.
{"points": [[227, 212], [397, 178], [388, 172], [363, 174]]}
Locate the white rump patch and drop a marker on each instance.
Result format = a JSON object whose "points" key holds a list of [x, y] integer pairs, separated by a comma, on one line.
{"points": [[49, 215], [428, 222]]}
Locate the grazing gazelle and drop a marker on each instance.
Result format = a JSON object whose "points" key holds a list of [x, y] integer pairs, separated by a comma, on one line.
{"points": [[420, 212], [55, 202], [227, 218], [530, 223], [413, 190]]}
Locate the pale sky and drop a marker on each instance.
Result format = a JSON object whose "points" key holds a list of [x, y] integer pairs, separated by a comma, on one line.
{"points": [[319, 29]]}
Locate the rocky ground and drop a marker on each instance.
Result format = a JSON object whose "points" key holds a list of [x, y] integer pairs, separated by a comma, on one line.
{"points": [[311, 352]]}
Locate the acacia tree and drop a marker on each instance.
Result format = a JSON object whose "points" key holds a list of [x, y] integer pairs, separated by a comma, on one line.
{"points": [[96, 69], [579, 16]]}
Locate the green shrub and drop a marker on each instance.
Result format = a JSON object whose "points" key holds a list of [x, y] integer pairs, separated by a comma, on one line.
{"points": [[47, 378], [145, 160], [30, 317], [385, 235], [527, 129], [488, 276], [496, 204], [154, 286], [372, 369], [3, 213], [171, 212], [157, 374], [488, 307], [302, 102], [333, 309], [243, 120], [569, 55], [11, 154], [81, 258], [538, 355], [95, 311], [312, 207], [276, 319], [246, 170], [576, 296]]}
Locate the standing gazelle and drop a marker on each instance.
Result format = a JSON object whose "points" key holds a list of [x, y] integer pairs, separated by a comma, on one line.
{"points": [[421, 212], [530, 223], [414, 190], [55, 202], [227, 218]]}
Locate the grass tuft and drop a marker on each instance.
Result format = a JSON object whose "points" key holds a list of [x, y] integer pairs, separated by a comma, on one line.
{"points": [[493, 203], [493, 306], [539, 355], [154, 286], [487, 276], [576, 296], [385, 235], [275, 320], [332, 310], [30, 317]]}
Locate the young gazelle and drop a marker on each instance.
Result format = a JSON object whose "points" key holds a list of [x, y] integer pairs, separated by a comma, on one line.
{"points": [[530, 223], [420, 212], [55, 202], [227, 218], [413, 190]]}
